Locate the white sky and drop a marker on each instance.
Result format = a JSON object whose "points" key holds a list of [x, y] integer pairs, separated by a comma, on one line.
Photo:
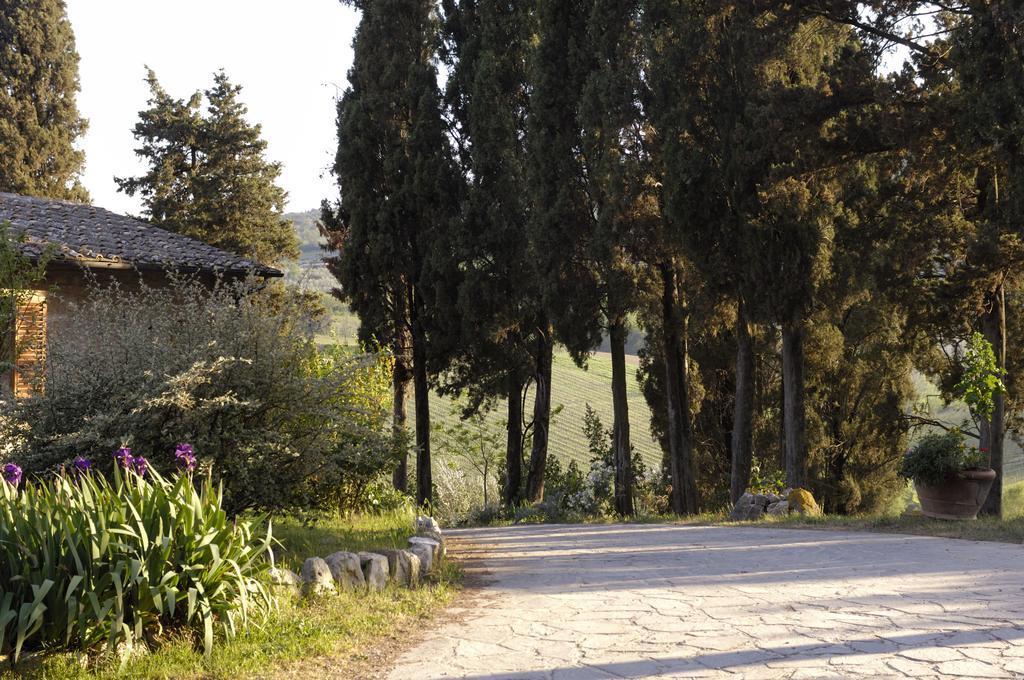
{"points": [[291, 59]]}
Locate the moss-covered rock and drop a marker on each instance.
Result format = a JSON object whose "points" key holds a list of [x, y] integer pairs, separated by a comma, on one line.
{"points": [[802, 501]]}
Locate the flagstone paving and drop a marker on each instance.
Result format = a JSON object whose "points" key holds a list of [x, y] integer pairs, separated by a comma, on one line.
{"points": [[640, 601]]}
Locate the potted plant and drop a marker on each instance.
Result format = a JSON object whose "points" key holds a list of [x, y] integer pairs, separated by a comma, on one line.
{"points": [[953, 479]]}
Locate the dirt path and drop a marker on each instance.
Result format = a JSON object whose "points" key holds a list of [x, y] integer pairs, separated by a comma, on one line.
{"points": [[640, 601]]}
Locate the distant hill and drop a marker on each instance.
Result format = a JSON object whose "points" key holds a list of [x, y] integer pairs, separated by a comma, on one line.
{"points": [[309, 235], [310, 272]]}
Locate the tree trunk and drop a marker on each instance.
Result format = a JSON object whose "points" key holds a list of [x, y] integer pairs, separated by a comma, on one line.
{"points": [[399, 388], [541, 416], [793, 415], [684, 486], [424, 480], [621, 448], [743, 409], [400, 377], [994, 326], [514, 446]]}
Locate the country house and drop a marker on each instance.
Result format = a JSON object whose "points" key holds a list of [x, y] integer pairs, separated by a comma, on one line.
{"points": [[85, 245]]}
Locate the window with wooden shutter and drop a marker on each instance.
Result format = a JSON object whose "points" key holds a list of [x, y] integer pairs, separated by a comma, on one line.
{"points": [[29, 346]]}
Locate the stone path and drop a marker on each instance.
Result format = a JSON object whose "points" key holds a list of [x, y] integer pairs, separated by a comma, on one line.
{"points": [[740, 602]]}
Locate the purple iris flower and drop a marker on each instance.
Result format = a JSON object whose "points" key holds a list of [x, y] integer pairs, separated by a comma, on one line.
{"points": [[185, 457], [123, 456], [140, 465], [82, 464], [12, 474]]}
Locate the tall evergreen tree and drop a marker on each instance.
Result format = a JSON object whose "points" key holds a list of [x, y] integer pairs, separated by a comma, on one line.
{"points": [[487, 45], [561, 215], [207, 176], [39, 119], [967, 171], [617, 170], [398, 196], [586, 128]]}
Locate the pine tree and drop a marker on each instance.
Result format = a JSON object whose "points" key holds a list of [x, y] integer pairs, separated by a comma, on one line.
{"points": [[398, 198], [207, 175], [39, 119]]}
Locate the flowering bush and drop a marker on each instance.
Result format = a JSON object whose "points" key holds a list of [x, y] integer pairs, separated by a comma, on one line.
{"points": [[283, 424], [87, 562]]}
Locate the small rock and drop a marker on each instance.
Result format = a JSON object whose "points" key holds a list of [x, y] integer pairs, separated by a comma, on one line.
{"points": [[284, 577], [427, 524], [436, 546], [802, 501], [346, 570], [316, 577], [428, 528], [753, 513], [742, 507], [425, 553], [403, 566], [375, 570], [779, 508]]}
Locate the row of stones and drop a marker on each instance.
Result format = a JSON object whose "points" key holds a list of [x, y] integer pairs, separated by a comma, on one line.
{"points": [[369, 570], [753, 506]]}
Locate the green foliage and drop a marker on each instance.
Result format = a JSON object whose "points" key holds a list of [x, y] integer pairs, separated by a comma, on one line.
{"points": [[939, 456], [88, 562], [982, 377], [207, 175], [767, 481], [300, 632], [283, 424], [39, 119]]}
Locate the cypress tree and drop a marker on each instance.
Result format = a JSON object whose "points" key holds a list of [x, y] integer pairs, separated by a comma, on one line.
{"points": [[398, 194], [593, 203], [39, 119], [618, 171], [207, 176], [697, 101], [966, 119], [487, 45], [560, 217]]}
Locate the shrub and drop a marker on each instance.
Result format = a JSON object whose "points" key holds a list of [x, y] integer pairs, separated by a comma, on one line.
{"points": [[939, 456], [456, 493], [85, 561], [235, 371]]}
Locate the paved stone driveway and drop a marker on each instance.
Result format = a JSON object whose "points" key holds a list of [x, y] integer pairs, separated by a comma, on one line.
{"points": [[688, 601]]}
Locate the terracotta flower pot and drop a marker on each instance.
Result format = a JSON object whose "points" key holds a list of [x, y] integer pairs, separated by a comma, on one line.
{"points": [[959, 497]]}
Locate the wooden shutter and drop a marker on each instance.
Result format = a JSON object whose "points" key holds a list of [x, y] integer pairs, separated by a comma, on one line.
{"points": [[30, 346]]}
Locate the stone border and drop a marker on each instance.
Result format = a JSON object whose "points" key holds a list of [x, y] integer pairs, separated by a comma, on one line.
{"points": [[370, 570]]}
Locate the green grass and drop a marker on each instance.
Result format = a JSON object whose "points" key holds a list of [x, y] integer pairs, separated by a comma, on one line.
{"points": [[572, 388], [982, 529], [1009, 529], [344, 628]]}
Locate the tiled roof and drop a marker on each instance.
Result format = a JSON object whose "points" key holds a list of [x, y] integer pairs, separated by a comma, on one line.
{"points": [[95, 237]]}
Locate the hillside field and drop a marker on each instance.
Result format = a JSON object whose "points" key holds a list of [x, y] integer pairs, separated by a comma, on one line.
{"points": [[572, 389]]}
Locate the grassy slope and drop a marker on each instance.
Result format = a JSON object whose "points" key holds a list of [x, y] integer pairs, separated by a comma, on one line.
{"points": [[344, 628], [572, 389]]}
